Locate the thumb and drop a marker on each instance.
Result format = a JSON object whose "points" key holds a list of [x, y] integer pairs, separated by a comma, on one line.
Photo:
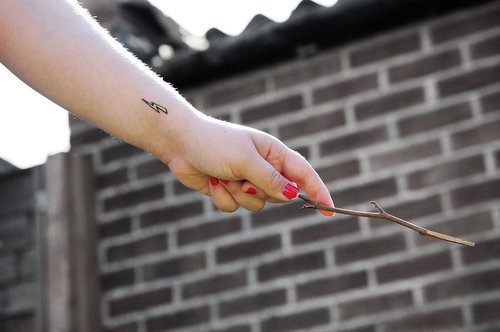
{"points": [[270, 180]]}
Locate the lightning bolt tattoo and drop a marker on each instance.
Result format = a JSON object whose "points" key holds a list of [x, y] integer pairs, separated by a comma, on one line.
{"points": [[156, 107]]}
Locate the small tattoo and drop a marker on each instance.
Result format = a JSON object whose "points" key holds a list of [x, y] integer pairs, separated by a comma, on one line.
{"points": [[158, 108]]}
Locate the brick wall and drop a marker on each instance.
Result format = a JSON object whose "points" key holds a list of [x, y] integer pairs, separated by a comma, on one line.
{"points": [[19, 251], [410, 118]]}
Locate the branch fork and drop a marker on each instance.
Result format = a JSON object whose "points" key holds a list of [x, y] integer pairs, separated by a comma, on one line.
{"points": [[382, 214]]}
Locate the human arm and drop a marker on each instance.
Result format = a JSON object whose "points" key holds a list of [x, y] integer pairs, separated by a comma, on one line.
{"points": [[56, 48]]}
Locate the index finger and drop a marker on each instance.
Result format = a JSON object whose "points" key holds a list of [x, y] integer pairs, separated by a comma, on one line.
{"points": [[297, 169]]}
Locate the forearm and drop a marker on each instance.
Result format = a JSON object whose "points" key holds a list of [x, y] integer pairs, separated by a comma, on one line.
{"points": [[76, 68], [59, 51]]}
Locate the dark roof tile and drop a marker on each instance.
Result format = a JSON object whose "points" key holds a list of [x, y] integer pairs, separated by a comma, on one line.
{"points": [[257, 23], [305, 7], [214, 35]]}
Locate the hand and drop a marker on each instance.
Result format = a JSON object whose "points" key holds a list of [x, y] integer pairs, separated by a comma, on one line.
{"points": [[240, 166]]}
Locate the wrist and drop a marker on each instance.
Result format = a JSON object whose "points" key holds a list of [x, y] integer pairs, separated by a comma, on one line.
{"points": [[172, 132]]}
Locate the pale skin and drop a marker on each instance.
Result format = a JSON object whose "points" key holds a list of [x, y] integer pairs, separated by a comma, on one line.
{"points": [[56, 48]]}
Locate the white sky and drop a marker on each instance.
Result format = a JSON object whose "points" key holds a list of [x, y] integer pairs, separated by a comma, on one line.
{"points": [[32, 127]]}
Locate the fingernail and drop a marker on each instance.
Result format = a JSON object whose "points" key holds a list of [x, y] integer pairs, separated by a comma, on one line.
{"points": [[291, 191], [251, 191], [214, 181], [224, 181]]}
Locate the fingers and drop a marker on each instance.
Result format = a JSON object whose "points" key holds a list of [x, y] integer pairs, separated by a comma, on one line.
{"points": [[247, 195], [280, 168], [297, 168], [269, 179], [228, 196], [221, 198]]}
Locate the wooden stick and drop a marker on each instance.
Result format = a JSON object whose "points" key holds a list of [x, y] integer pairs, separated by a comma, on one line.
{"points": [[381, 214]]}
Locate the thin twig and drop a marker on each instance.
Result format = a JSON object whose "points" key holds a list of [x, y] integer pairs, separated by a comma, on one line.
{"points": [[381, 214]]}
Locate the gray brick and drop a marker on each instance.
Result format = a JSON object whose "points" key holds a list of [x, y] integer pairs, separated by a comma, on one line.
{"points": [[438, 118], [134, 197], [470, 284], [486, 48], [246, 249], [115, 227], [16, 231], [91, 136], [366, 192], [325, 230], [272, 108], [235, 91], [392, 102], [385, 48], [209, 231], [141, 301], [119, 151], [111, 179], [291, 266], [175, 266], [405, 154], [475, 193], [440, 173], [485, 132], [332, 285], [345, 88], [252, 303], [356, 140], [28, 264], [21, 322], [296, 321], [344, 169], [117, 279], [178, 319], [127, 327], [214, 284], [464, 25], [486, 311], [303, 71], [155, 243], [469, 81], [369, 328], [491, 102], [236, 328], [17, 192], [171, 214], [425, 65], [21, 298], [375, 304], [370, 248], [448, 319], [414, 267], [484, 251], [7, 269], [312, 125]]}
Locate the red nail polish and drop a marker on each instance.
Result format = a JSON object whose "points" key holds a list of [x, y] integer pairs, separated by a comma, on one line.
{"points": [[224, 181], [290, 191], [251, 191], [214, 181]]}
